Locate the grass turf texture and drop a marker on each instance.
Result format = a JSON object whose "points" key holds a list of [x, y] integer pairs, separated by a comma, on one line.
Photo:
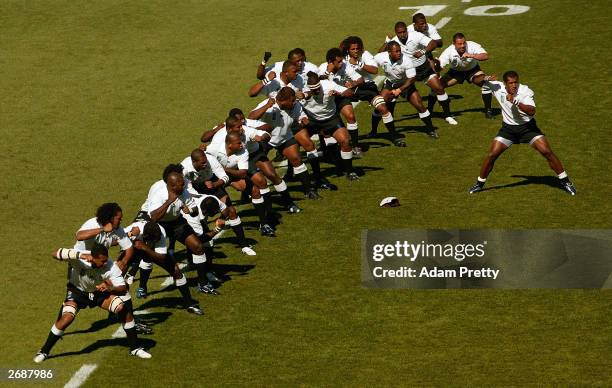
{"points": [[98, 98]]}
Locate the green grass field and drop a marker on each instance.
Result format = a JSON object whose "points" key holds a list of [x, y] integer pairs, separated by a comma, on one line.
{"points": [[97, 97]]}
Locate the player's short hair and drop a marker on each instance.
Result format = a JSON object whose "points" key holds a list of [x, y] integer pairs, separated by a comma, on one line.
{"points": [[418, 16], [210, 206], [231, 121], [177, 168], [287, 64], [151, 232], [510, 74], [399, 24], [231, 136], [99, 250], [106, 211], [285, 93], [458, 35], [197, 154], [235, 112], [296, 50], [346, 44], [391, 44], [332, 54]]}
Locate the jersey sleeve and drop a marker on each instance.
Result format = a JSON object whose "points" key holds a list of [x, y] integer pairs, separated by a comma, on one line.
{"points": [[216, 168], [155, 200], [433, 32], [123, 240], [379, 58], [368, 59], [423, 39], [270, 88], [445, 57], [322, 69], [91, 223], [494, 85], [301, 114], [160, 246], [526, 97], [80, 263], [351, 73], [475, 48], [187, 199], [243, 160], [337, 88], [115, 276], [222, 206], [410, 72]]}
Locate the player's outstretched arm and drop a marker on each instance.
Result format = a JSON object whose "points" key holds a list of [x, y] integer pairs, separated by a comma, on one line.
{"points": [[256, 114], [261, 68]]}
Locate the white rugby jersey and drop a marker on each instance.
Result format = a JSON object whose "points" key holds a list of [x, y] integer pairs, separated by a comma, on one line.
{"points": [[415, 42], [271, 89], [511, 114], [368, 59], [84, 277], [196, 222], [432, 31], [103, 238], [302, 73], [398, 71], [239, 160], [213, 167], [322, 106], [451, 57], [158, 195], [342, 76], [160, 246], [282, 122], [248, 137]]}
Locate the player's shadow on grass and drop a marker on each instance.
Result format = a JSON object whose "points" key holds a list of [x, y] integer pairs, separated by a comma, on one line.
{"points": [[546, 180], [149, 319], [146, 343], [496, 112]]}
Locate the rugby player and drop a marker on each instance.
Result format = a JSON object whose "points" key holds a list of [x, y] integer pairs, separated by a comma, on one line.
{"points": [[149, 240], [297, 56], [417, 47], [234, 158], [94, 281], [258, 158], [464, 57], [364, 64], [518, 126], [105, 228], [401, 76], [166, 201], [320, 107], [285, 120], [208, 206], [274, 82]]}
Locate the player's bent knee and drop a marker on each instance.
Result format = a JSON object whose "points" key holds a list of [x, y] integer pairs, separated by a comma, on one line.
{"points": [[69, 311], [116, 305]]}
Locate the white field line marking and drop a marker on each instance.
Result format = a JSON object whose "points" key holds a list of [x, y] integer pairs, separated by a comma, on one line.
{"points": [[120, 333], [81, 375], [442, 22], [466, 1]]}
